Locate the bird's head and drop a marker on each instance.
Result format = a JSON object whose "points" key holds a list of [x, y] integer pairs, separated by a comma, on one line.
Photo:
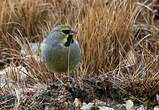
{"points": [[66, 34]]}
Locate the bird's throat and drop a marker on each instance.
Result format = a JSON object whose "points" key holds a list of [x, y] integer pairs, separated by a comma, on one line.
{"points": [[69, 40]]}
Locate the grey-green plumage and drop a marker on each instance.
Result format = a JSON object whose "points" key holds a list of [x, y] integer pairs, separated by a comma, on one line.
{"points": [[55, 52]]}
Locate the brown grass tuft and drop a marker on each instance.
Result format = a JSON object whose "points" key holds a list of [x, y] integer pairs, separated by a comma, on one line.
{"points": [[106, 35]]}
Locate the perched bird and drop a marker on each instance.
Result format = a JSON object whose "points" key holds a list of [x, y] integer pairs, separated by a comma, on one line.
{"points": [[60, 51]]}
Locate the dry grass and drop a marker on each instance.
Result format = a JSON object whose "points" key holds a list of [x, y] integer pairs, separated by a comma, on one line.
{"points": [[107, 31], [105, 42]]}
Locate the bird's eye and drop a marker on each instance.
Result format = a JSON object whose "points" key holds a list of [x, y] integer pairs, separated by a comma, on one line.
{"points": [[66, 31]]}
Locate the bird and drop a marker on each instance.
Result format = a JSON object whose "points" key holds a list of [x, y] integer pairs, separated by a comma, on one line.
{"points": [[60, 51]]}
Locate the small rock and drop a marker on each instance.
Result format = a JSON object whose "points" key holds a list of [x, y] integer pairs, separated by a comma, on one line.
{"points": [[129, 104], [157, 98], [141, 108], [88, 106], [156, 107], [77, 103], [96, 105], [99, 102], [105, 108]]}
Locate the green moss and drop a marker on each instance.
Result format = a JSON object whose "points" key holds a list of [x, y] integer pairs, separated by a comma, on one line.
{"points": [[141, 91]]}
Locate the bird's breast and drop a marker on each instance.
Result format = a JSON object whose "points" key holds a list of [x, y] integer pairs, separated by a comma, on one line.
{"points": [[59, 58]]}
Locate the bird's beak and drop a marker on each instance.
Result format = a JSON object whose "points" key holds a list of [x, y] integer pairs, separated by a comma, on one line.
{"points": [[72, 32]]}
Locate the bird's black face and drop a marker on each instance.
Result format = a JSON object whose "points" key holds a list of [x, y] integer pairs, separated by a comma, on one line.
{"points": [[69, 34], [69, 40], [66, 31]]}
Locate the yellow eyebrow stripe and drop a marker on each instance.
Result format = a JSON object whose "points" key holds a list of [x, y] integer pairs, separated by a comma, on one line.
{"points": [[65, 28]]}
